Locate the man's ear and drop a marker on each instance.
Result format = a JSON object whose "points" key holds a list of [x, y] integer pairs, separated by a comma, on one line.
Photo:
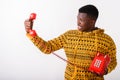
{"points": [[93, 21]]}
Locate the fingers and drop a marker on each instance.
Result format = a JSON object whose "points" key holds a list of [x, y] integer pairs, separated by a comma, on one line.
{"points": [[28, 25]]}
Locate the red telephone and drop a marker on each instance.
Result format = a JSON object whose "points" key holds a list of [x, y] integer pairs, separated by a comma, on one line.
{"points": [[99, 64]]}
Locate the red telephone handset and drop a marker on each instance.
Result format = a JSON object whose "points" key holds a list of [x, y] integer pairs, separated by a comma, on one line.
{"points": [[31, 18]]}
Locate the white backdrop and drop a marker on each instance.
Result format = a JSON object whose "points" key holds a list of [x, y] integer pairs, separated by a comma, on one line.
{"points": [[21, 60]]}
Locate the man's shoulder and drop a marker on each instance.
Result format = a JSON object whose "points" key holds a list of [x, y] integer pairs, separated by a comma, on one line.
{"points": [[106, 37]]}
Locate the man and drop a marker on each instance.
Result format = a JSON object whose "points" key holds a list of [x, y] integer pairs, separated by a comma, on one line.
{"points": [[80, 46]]}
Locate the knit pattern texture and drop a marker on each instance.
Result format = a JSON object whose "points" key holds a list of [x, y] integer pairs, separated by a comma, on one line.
{"points": [[80, 49]]}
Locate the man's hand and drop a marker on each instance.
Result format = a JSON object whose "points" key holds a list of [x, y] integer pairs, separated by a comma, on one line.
{"points": [[28, 25], [29, 22], [106, 71]]}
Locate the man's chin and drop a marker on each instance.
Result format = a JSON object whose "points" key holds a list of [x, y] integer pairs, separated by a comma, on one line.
{"points": [[80, 28]]}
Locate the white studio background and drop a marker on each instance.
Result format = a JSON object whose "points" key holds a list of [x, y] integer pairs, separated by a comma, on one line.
{"points": [[21, 60]]}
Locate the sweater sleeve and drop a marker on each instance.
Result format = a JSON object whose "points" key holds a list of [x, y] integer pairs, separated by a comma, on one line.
{"points": [[48, 46], [112, 54]]}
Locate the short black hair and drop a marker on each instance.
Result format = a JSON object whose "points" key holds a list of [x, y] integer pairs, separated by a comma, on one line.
{"points": [[91, 11]]}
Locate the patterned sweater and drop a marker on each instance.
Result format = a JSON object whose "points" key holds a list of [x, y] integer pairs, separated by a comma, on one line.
{"points": [[80, 48]]}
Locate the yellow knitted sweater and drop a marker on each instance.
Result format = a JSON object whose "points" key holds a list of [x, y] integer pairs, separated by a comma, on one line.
{"points": [[80, 48]]}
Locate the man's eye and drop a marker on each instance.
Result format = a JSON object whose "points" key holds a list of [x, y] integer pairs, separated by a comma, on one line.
{"points": [[81, 20]]}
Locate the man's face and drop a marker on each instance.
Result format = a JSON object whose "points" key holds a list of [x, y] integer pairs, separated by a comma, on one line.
{"points": [[84, 22]]}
